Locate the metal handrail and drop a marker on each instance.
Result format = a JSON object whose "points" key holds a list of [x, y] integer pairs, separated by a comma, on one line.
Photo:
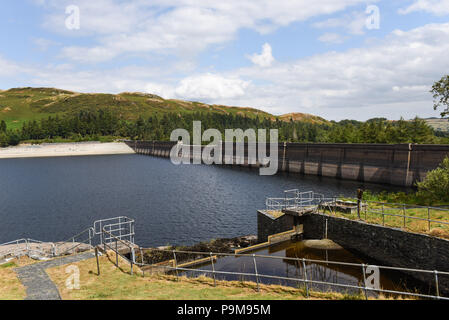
{"points": [[303, 261], [92, 232], [91, 235], [117, 240], [402, 208], [21, 251]]}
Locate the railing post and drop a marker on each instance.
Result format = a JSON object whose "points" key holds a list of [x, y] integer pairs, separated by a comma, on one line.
{"points": [[257, 275], [428, 217], [436, 285], [116, 253], [213, 269], [383, 215], [141, 259], [133, 260], [405, 223], [98, 262], [364, 281], [176, 265], [366, 206], [305, 276]]}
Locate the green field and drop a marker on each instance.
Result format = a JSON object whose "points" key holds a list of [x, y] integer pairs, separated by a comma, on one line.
{"points": [[438, 124]]}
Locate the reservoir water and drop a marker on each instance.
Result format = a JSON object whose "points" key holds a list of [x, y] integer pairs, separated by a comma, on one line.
{"points": [[52, 199]]}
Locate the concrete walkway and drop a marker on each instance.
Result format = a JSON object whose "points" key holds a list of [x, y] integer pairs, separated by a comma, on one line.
{"points": [[37, 282]]}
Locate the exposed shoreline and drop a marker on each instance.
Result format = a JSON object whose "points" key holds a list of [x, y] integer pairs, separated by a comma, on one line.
{"points": [[65, 150]]}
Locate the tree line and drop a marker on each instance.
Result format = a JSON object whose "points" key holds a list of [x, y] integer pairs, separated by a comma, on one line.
{"points": [[92, 125]]}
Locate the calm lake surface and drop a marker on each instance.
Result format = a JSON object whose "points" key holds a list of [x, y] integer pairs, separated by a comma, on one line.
{"points": [[52, 199]]}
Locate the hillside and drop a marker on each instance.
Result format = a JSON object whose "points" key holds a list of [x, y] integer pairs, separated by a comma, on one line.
{"points": [[304, 117], [22, 104], [438, 124]]}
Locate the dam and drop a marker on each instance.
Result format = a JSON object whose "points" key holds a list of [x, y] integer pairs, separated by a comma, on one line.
{"points": [[398, 165]]}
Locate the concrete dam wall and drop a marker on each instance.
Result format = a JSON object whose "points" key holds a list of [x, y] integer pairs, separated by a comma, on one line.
{"points": [[400, 164]]}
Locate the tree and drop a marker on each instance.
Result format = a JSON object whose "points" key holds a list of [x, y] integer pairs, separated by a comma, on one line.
{"points": [[440, 90], [3, 126]]}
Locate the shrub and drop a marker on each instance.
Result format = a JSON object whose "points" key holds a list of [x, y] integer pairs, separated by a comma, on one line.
{"points": [[435, 187]]}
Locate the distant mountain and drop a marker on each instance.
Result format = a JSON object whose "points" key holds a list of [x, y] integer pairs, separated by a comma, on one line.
{"points": [[19, 105]]}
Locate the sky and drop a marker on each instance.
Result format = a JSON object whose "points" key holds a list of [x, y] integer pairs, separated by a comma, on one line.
{"points": [[339, 59]]}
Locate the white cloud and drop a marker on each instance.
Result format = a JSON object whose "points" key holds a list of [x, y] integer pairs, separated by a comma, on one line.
{"points": [[392, 77], [9, 68], [211, 87], [265, 59], [353, 23], [436, 7], [331, 38], [183, 26]]}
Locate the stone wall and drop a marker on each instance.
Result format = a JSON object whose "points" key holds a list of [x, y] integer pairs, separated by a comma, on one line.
{"points": [[388, 246], [267, 225]]}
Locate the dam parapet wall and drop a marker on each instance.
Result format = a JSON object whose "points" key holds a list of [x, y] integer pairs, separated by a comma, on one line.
{"points": [[399, 164]]}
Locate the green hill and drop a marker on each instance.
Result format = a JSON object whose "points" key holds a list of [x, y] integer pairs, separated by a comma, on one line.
{"points": [[23, 104]]}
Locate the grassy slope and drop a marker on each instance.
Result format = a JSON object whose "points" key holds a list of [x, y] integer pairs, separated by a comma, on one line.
{"points": [[23, 104], [116, 283], [10, 286]]}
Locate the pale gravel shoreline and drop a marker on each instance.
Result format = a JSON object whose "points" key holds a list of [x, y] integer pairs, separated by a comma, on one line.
{"points": [[65, 150]]}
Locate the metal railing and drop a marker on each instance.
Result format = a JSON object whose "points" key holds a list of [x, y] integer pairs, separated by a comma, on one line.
{"points": [[296, 200], [22, 247], [121, 227], [403, 212], [61, 248], [306, 279], [113, 244]]}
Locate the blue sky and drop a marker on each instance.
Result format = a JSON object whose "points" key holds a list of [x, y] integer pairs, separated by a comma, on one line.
{"points": [[326, 57]]}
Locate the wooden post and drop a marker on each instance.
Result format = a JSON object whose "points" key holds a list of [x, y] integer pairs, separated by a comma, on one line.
{"points": [[98, 262]]}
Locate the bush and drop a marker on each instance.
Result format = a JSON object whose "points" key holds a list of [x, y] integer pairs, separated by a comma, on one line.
{"points": [[4, 141], [435, 187]]}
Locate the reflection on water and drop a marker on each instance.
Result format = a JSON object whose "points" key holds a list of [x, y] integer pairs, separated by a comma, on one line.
{"points": [[321, 271]]}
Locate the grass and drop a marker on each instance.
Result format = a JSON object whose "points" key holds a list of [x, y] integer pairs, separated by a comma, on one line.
{"points": [[10, 286], [20, 105], [117, 284], [372, 214], [438, 124]]}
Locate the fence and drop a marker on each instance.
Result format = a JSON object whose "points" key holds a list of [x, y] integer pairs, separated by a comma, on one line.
{"points": [[29, 247], [295, 200], [122, 227], [386, 214], [410, 217], [305, 279]]}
